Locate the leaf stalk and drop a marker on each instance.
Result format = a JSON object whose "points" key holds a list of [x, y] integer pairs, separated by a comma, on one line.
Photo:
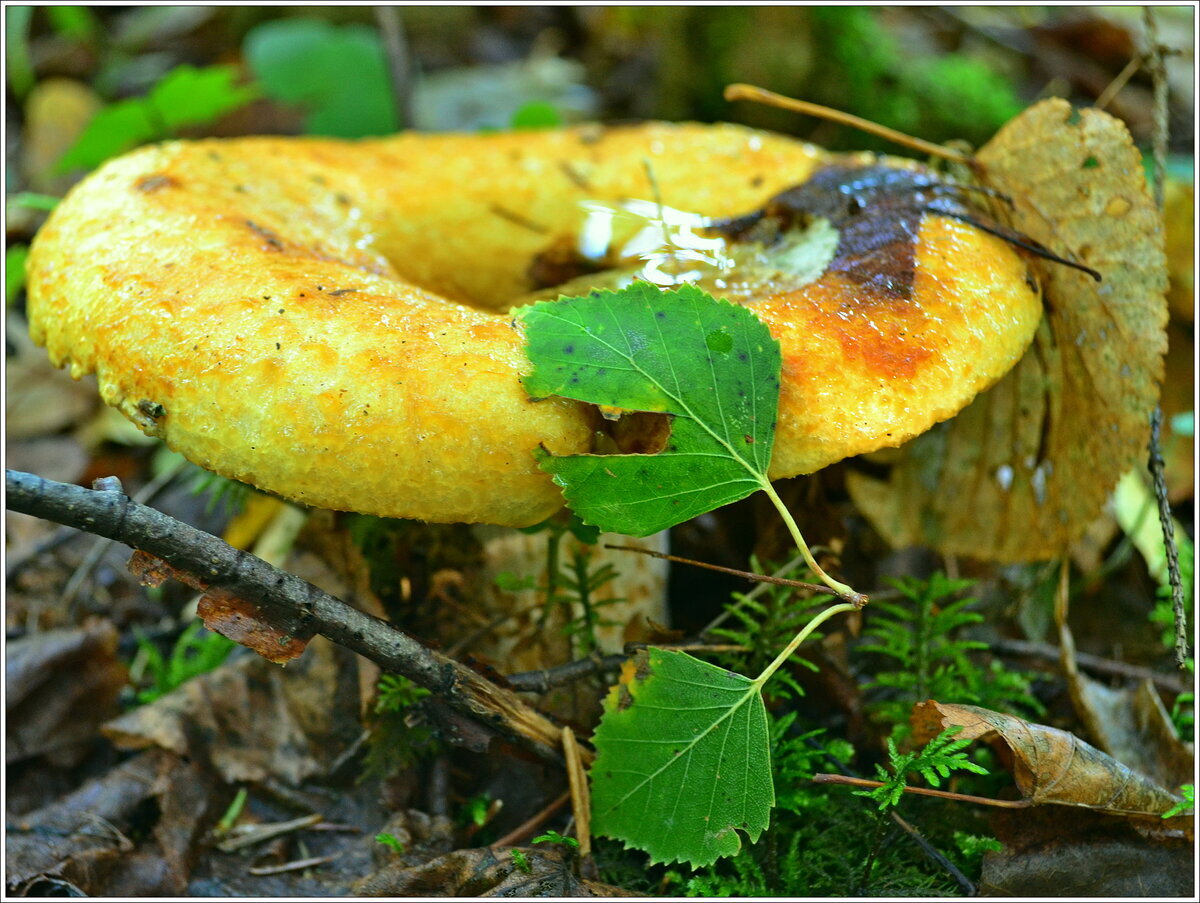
{"points": [[858, 600], [799, 638]]}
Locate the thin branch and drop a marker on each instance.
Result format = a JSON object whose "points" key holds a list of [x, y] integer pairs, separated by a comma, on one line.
{"points": [[545, 679], [750, 92], [1158, 75], [1089, 662], [519, 833], [1115, 86], [923, 791], [934, 853], [581, 800], [399, 66], [1165, 518], [748, 575], [286, 602]]}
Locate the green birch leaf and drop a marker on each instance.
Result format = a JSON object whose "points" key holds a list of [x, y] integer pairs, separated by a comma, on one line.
{"points": [[711, 365], [683, 760], [185, 96]]}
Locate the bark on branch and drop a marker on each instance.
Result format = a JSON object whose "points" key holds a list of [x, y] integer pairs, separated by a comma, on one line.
{"points": [[285, 601]]}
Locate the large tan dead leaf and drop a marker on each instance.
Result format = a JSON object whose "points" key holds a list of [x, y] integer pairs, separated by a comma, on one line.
{"points": [[1026, 467], [1050, 766]]}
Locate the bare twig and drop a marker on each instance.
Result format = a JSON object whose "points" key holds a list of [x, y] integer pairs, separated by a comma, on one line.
{"points": [[295, 865], [1115, 86], [748, 575], [1158, 75], [519, 833], [581, 801], [1168, 528], [288, 603], [934, 853], [1089, 662], [399, 66], [923, 791], [545, 679], [100, 546], [750, 92], [248, 835]]}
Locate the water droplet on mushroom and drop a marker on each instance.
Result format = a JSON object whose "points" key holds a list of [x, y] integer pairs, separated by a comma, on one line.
{"points": [[1039, 484], [1004, 476]]}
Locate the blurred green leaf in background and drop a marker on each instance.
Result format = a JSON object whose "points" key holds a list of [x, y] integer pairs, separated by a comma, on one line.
{"points": [[337, 74], [185, 97]]}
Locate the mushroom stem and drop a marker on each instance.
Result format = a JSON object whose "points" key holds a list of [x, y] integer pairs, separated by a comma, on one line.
{"points": [[858, 600]]}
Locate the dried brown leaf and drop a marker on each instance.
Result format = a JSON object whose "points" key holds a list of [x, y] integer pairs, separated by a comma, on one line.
{"points": [[1026, 467], [252, 720], [60, 685], [483, 872], [1050, 766]]}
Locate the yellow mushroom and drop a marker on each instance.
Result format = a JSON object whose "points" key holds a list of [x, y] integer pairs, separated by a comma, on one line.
{"points": [[327, 319]]}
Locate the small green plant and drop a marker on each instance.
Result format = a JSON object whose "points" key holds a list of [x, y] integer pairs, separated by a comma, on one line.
{"points": [[398, 735], [570, 587], [536, 114], [474, 812], [232, 813], [920, 636], [972, 847], [223, 494], [1183, 710], [935, 761], [765, 623], [554, 837], [391, 841], [197, 651], [14, 271], [1188, 792], [520, 861]]}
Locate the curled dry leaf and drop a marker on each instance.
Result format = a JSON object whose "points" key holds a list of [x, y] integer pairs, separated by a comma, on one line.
{"points": [[1023, 470], [1050, 766]]}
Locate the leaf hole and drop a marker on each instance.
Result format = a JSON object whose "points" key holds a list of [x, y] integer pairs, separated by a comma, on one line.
{"points": [[636, 433]]}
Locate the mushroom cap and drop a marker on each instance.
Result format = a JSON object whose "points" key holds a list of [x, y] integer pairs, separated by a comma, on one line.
{"points": [[325, 319]]}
